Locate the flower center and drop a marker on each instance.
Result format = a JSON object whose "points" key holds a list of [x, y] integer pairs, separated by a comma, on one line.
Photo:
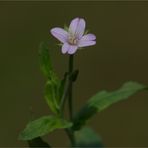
{"points": [[72, 40]]}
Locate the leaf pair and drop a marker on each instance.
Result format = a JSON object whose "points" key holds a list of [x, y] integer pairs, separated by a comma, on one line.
{"points": [[53, 93]]}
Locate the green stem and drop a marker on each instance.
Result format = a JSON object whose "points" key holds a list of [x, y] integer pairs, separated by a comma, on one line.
{"points": [[70, 99], [70, 87], [68, 93]]}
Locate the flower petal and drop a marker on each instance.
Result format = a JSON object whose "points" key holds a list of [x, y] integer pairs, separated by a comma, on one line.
{"points": [[60, 34], [89, 37], [72, 49], [73, 25], [65, 48], [80, 28], [84, 43], [77, 27]]}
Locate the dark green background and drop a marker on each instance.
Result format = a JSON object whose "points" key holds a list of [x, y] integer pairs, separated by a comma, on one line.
{"points": [[121, 54]]}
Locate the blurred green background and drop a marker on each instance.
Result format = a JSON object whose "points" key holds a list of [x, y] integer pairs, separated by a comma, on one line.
{"points": [[121, 54]]}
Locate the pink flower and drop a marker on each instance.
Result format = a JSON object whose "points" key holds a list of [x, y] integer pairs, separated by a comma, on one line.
{"points": [[74, 38]]}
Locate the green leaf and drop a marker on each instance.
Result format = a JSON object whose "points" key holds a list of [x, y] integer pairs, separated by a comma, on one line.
{"points": [[44, 58], [43, 126], [53, 82], [51, 96], [46, 64], [103, 100], [86, 137], [38, 142]]}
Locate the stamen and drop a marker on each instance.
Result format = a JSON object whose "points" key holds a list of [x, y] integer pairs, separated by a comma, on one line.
{"points": [[72, 40]]}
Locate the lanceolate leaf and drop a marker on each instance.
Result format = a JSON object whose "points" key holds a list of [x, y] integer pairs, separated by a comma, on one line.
{"points": [[103, 100], [51, 96], [86, 137], [53, 82], [43, 126], [46, 64], [45, 61]]}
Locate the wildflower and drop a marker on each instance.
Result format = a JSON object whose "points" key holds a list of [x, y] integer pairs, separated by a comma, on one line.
{"points": [[74, 38]]}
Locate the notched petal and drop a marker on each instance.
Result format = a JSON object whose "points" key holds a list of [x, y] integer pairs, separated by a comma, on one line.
{"points": [[72, 49], [85, 43], [73, 25], [77, 27], [60, 34], [65, 48], [80, 28], [89, 37]]}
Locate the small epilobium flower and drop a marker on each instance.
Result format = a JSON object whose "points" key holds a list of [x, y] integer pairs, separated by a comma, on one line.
{"points": [[74, 38]]}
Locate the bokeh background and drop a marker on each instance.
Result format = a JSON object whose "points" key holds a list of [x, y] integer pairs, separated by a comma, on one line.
{"points": [[121, 54]]}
